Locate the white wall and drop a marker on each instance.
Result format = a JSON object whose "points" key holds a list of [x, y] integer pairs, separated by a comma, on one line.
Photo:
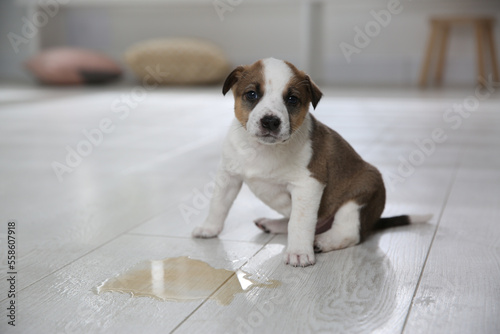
{"points": [[253, 30], [10, 60]]}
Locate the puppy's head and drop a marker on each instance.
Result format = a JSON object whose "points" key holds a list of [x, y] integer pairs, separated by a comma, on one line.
{"points": [[272, 98]]}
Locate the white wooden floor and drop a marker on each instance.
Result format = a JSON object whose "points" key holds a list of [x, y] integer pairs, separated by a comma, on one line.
{"points": [[123, 203]]}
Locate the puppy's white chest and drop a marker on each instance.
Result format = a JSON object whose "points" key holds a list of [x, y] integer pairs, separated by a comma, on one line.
{"points": [[265, 169], [270, 183], [268, 170], [271, 164]]}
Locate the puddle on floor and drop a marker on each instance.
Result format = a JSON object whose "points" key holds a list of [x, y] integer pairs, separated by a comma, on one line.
{"points": [[182, 279]]}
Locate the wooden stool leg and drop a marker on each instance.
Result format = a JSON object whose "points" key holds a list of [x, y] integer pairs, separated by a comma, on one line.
{"points": [[480, 59], [428, 56], [493, 55], [442, 53]]}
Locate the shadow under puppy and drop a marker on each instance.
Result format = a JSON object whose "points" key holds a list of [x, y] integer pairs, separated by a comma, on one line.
{"points": [[330, 198]]}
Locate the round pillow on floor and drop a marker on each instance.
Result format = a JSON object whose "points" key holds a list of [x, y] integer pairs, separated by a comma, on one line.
{"points": [[177, 61], [72, 66]]}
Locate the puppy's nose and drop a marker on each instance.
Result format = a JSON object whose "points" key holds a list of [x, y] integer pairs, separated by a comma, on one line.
{"points": [[270, 123]]}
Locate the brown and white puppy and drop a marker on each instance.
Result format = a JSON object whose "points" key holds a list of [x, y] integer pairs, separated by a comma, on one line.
{"points": [[296, 165]]}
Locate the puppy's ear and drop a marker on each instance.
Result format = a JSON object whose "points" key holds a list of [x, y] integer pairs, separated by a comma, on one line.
{"points": [[232, 78], [316, 94]]}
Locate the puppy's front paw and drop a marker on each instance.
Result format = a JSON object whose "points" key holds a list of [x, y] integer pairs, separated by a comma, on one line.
{"points": [[206, 232], [300, 258]]}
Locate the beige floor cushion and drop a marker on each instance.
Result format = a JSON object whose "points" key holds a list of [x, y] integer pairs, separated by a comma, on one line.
{"points": [[177, 61]]}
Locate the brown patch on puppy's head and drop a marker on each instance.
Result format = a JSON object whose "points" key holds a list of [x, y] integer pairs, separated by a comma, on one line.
{"points": [[299, 92], [247, 83]]}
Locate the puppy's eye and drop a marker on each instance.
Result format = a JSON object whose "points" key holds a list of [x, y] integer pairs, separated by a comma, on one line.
{"points": [[251, 95], [292, 100]]}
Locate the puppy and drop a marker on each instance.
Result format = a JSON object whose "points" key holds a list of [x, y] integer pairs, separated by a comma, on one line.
{"points": [[330, 198]]}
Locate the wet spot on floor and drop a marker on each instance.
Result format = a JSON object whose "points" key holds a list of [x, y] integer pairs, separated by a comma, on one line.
{"points": [[183, 279]]}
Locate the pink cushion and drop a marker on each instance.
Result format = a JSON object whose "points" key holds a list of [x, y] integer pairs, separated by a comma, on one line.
{"points": [[70, 66]]}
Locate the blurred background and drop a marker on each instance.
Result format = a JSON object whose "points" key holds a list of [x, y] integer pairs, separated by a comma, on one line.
{"points": [[339, 42]]}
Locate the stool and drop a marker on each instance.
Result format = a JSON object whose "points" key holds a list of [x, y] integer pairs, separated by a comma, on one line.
{"points": [[439, 34]]}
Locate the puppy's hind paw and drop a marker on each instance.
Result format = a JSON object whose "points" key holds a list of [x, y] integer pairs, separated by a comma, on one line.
{"points": [[205, 232], [261, 226], [279, 226]]}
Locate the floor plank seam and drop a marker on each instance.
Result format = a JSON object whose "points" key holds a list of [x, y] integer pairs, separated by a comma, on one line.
{"points": [[449, 190], [202, 303], [220, 286]]}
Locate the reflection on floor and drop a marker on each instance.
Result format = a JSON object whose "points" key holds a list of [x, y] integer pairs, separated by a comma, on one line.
{"points": [[98, 181]]}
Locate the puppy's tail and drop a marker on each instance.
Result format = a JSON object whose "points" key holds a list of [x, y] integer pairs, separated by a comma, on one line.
{"points": [[389, 222]]}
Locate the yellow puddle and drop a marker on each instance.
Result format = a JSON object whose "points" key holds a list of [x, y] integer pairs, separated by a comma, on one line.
{"points": [[182, 279]]}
